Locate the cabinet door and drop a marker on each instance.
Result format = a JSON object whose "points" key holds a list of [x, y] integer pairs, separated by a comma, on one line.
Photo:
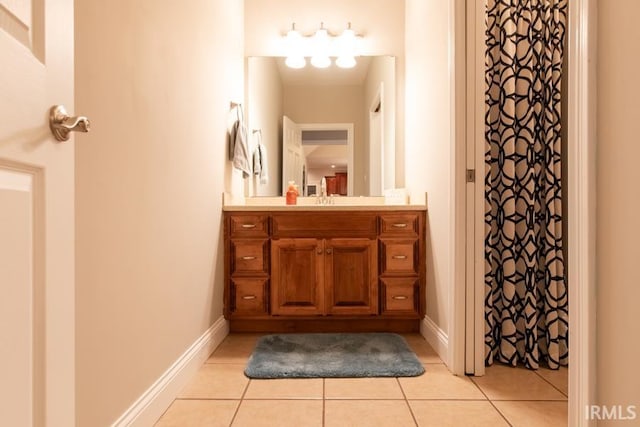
{"points": [[332, 185], [351, 276], [341, 178], [296, 277]]}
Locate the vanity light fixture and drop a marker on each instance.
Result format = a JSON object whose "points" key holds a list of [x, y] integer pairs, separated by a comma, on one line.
{"points": [[320, 47], [321, 41], [294, 41]]}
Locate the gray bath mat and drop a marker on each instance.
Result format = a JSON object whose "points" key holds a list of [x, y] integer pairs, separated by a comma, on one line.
{"points": [[329, 355]]}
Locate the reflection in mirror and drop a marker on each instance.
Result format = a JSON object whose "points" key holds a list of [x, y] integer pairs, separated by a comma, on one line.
{"points": [[333, 123]]}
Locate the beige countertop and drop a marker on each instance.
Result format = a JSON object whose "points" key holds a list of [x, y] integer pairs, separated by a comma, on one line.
{"points": [[268, 204]]}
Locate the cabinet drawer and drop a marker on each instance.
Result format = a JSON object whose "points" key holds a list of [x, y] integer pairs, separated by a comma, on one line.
{"points": [[326, 224], [241, 225], [400, 295], [248, 297], [249, 256], [402, 224], [399, 256]]}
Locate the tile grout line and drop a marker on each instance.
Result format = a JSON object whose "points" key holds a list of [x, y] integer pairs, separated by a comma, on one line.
{"points": [[244, 392], [490, 401], [530, 400], [404, 395], [324, 398], [552, 385]]}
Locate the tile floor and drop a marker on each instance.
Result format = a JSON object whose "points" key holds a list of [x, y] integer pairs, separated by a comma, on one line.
{"points": [[220, 395]]}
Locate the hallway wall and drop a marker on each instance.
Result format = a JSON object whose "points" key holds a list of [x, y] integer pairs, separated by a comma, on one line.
{"points": [[618, 204], [156, 80], [428, 156]]}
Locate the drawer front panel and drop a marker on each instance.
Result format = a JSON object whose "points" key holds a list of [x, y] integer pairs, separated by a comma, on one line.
{"points": [[249, 256], [241, 225], [248, 297], [399, 256], [404, 224], [400, 295], [326, 224]]}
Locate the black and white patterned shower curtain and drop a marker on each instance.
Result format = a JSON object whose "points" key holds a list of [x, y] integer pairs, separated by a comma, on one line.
{"points": [[526, 302]]}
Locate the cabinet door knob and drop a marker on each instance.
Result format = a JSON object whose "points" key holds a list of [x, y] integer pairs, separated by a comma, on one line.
{"points": [[329, 251], [248, 297], [399, 297], [319, 251]]}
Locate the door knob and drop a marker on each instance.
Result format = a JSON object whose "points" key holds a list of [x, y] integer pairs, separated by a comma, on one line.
{"points": [[62, 124]]}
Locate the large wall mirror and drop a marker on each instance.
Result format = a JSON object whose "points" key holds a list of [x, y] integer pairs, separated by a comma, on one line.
{"points": [[312, 123]]}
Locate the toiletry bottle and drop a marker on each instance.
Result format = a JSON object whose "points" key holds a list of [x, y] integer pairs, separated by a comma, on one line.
{"points": [[292, 194]]}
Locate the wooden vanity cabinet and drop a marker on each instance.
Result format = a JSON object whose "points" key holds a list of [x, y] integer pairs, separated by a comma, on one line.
{"points": [[324, 276], [324, 270]]}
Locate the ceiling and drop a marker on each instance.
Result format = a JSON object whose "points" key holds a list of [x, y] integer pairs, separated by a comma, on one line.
{"points": [[323, 156]]}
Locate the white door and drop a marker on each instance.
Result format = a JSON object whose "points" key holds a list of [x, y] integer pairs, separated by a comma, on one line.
{"points": [[36, 215], [377, 173], [375, 154], [292, 156]]}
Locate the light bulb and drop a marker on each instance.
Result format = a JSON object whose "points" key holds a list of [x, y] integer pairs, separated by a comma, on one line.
{"points": [[320, 58], [320, 61], [294, 49], [346, 61], [296, 62], [346, 47]]}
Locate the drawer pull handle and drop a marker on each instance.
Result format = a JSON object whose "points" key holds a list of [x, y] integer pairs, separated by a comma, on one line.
{"points": [[248, 226], [400, 297], [248, 297], [248, 258], [399, 257], [400, 225]]}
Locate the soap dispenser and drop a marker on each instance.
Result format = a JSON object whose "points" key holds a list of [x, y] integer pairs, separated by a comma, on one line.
{"points": [[292, 193]]}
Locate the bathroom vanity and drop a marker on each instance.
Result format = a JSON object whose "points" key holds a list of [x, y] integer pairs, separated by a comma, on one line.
{"points": [[324, 268]]}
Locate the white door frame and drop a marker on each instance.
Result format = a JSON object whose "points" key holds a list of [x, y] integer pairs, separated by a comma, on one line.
{"points": [[376, 118], [581, 195], [338, 126]]}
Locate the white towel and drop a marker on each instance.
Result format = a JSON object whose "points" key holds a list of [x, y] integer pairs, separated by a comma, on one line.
{"points": [[238, 145], [260, 161]]}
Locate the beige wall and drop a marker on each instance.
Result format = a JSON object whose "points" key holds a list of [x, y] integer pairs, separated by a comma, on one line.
{"points": [[156, 80], [428, 141], [317, 104], [618, 204], [265, 95]]}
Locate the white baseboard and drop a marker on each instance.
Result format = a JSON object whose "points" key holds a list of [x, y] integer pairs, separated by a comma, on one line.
{"points": [[153, 402], [436, 337]]}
